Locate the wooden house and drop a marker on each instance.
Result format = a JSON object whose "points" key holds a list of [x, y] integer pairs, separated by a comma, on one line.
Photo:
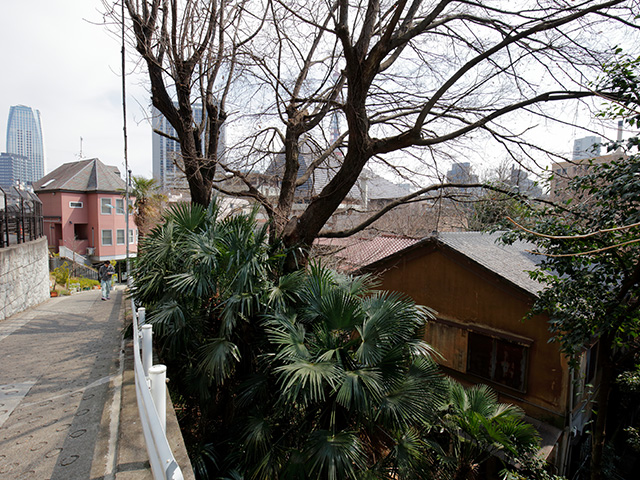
{"points": [[481, 292]]}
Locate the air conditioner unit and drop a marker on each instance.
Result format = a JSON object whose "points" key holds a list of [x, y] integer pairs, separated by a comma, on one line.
{"points": [[91, 250]]}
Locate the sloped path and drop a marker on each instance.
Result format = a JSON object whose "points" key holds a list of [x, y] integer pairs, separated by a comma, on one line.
{"points": [[60, 368]]}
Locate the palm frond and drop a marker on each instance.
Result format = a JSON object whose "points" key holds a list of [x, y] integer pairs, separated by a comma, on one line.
{"points": [[308, 381], [288, 335], [219, 358], [188, 217], [285, 292], [334, 457], [361, 389]]}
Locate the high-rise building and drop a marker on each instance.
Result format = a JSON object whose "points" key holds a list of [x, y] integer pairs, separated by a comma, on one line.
{"points": [[167, 160], [166, 154], [586, 147], [13, 170], [24, 137], [461, 172]]}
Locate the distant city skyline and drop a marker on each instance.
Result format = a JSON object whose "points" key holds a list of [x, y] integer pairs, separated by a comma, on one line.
{"points": [[25, 138]]}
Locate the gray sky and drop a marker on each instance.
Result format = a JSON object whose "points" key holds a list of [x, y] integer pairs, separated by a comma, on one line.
{"points": [[58, 59], [58, 62]]}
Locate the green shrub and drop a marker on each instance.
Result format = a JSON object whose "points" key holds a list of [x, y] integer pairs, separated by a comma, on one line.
{"points": [[61, 275], [84, 283]]}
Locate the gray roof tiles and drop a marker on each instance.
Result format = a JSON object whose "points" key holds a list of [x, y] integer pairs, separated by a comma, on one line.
{"points": [[82, 176], [511, 262]]}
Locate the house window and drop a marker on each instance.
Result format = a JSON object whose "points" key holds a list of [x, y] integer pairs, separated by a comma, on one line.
{"points": [[119, 206], [120, 236], [107, 237], [498, 360], [76, 205], [105, 206], [131, 236]]}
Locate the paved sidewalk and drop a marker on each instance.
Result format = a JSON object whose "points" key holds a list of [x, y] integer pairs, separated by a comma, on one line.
{"points": [[60, 374]]}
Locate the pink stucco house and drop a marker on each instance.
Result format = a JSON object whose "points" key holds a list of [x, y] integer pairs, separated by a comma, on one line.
{"points": [[84, 210]]}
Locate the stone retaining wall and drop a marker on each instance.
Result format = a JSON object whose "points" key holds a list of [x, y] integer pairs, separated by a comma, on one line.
{"points": [[24, 276]]}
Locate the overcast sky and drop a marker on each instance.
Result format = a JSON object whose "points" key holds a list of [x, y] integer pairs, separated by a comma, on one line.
{"points": [[58, 62], [58, 59]]}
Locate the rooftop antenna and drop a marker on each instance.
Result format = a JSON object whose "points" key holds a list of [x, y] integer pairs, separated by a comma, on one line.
{"points": [[80, 156]]}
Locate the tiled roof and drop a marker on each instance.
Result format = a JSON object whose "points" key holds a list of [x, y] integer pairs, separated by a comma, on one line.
{"points": [[511, 262], [82, 176], [355, 253]]}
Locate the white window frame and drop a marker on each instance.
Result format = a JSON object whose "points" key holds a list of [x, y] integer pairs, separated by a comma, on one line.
{"points": [[108, 205], [132, 236], [76, 204], [118, 242], [102, 238], [119, 206]]}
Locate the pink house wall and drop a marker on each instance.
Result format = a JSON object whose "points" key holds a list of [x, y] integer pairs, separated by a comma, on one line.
{"points": [[64, 224]]}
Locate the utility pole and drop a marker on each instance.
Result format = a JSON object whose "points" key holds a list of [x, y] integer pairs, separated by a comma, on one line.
{"points": [[126, 160]]}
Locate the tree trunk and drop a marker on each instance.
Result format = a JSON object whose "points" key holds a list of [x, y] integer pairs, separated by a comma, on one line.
{"points": [[606, 370]]}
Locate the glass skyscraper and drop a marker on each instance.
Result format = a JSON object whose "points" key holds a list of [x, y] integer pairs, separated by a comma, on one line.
{"points": [[167, 159], [24, 137], [13, 170], [166, 153]]}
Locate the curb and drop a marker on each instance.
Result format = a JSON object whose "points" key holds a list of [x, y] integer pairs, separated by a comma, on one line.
{"points": [[132, 458]]}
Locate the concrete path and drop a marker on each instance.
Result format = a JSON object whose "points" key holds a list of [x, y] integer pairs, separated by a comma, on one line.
{"points": [[60, 373]]}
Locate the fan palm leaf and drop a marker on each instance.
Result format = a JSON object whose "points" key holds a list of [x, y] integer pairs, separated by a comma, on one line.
{"points": [[334, 457]]}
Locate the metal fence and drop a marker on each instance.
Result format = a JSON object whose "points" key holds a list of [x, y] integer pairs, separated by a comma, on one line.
{"points": [[75, 269], [151, 395], [20, 217]]}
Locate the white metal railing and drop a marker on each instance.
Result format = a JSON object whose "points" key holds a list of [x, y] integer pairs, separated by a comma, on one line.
{"points": [[66, 252], [151, 394]]}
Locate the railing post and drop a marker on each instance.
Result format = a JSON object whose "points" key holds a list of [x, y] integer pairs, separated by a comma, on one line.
{"points": [[141, 316], [158, 377], [147, 349]]}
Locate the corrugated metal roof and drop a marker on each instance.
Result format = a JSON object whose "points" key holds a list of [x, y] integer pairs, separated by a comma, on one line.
{"points": [[82, 176]]}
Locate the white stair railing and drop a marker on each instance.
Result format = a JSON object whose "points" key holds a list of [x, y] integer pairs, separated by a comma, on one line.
{"points": [[151, 395]]}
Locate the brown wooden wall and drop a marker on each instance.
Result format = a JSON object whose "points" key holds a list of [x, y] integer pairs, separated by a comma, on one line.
{"points": [[475, 299]]}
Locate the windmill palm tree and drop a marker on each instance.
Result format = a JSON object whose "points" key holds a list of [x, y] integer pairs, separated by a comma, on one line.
{"points": [[353, 386], [148, 203], [481, 427], [201, 278]]}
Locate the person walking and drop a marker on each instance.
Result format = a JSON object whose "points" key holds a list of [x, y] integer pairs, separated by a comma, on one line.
{"points": [[104, 275]]}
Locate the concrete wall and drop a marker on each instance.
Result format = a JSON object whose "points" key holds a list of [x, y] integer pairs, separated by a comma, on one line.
{"points": [[24, 276]]}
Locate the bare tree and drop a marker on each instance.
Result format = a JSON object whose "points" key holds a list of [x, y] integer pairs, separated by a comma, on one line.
{"points": [[411, 81], [189, 50]]}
